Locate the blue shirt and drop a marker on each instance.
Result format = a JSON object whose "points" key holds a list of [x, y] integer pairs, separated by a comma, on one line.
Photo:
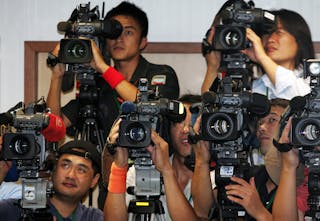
{"points": [[10, 190], [10, 210]]}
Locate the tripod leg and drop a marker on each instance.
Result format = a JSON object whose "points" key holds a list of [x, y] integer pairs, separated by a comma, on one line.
{"points": [[99, 137]]}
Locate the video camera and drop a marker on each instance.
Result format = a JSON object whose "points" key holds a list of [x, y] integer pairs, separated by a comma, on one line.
{"points": [[83, 26], [84, 23], [230, 34], [28, 147], [230, 38], [228, 115], [305, 131], [227, 123], [148, 112]]}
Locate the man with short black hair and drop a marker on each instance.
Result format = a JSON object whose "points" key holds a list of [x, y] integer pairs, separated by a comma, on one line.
{"points": [[76, 171], [115, 84]]}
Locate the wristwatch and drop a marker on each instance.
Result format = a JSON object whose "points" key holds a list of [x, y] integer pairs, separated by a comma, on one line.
{"points": [[52, 60]]}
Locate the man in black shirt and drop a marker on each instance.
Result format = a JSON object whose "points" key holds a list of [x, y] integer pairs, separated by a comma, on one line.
{"points": [[114, 87]]}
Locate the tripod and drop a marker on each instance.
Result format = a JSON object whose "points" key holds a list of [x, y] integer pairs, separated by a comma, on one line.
{"points": [[90, 129], [147, 205], [146, 210], [90, 132]]}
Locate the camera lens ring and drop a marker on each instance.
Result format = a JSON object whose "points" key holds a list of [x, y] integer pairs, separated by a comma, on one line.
{"points": [[232, 38], [20, 145], [77, 49], [307, 131], [136, 133], [220, 126]]}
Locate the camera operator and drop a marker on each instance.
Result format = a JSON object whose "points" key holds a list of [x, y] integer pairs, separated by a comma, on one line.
{"points": [[181, 148], [279, 54], [115, 206], [130, 66], [257, 195], [77, 170]]}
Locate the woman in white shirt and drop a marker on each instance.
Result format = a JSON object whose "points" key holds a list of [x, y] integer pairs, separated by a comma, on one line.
{"points": [[281, 58]]}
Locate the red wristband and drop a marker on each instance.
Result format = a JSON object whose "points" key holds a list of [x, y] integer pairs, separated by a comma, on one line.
{"points": [[117, 179], [112, 77]]}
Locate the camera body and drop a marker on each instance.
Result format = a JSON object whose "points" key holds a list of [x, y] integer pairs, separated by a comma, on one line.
{"points": [[84, 22], [145, 114], [225, 121], [27, 145], [230, 34], [135, 130], [305, 129]]}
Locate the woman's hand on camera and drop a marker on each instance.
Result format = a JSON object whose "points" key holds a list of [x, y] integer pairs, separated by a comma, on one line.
{"points": [[256, 53]]}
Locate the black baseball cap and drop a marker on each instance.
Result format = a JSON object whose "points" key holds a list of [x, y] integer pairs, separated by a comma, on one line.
{"points": [[89, 151]]}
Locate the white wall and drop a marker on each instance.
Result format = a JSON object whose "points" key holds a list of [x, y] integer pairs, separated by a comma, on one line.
{"points": [[170, 21]]}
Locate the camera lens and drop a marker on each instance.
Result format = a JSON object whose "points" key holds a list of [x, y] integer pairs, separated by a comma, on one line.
{"points": [[232, 38], [311, 132], [136, 133], [308, 132], [220, 126], [20, 145], [77, 49]]}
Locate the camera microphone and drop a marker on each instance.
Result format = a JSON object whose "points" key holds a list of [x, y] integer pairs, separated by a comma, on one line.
{"points": [[209, 97], [55, 130], [64, 26], [128, 107], [107, 28], [5, 118]]}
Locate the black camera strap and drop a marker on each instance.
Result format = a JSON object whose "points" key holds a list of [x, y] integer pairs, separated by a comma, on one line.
{"points": [[282, 147]]}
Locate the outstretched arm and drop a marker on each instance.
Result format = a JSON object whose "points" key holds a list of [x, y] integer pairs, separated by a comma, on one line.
{"points": [[201, 187], [285, 203], [124, 88], [259, 55], [115, 207], [213, 63], [54, 94]]}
